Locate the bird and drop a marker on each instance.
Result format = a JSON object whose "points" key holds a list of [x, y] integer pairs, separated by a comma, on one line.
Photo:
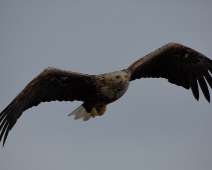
{"points": [[179, 64]]}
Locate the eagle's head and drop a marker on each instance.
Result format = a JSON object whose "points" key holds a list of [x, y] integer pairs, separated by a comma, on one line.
{"points": [[114, 84], [120, 79]]}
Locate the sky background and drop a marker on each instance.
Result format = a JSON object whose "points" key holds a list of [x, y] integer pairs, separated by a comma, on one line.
{"points": [[155, 125]]}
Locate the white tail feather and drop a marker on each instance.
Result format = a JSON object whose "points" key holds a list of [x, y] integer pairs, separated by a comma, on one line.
{"points": [[79, 113], [87, 117], [76, 110]]}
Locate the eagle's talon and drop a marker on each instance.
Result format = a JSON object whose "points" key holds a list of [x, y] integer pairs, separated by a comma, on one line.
{"points": [[101, 110], [94, 112]]}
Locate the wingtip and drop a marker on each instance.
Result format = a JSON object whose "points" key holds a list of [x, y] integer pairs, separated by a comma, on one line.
{"points": [[3, 141], [208, 100], [3, 144]]}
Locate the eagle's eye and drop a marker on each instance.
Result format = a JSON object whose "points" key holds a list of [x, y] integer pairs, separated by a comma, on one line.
{"points": [[117, 76]]}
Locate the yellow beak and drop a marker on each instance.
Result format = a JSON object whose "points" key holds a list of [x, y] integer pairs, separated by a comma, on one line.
{"points": [[122, 78]]}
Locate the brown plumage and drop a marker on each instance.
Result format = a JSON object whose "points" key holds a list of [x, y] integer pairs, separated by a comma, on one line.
{"points": [[179, 64]]}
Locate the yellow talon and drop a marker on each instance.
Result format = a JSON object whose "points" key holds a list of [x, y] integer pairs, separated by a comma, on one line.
{"points": [[101, 110], [94, 112]]}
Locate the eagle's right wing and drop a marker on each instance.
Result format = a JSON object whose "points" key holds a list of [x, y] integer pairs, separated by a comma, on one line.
{"points": [[50, 85]]}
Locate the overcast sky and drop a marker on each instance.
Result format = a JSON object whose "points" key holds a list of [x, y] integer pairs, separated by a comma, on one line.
{"points": [[155, 125]]}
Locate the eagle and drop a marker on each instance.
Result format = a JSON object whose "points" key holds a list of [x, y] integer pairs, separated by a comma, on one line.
{"points": [[179, 64]]}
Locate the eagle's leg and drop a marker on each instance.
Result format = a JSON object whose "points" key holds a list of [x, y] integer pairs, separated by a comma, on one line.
{"points": [[101, 110], [94, 112], [98, 111]]}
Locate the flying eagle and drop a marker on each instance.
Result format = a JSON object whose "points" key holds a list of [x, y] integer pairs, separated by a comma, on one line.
{"points": [[179, 64]]}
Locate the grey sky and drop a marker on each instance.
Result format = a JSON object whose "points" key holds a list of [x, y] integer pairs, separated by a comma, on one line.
{"points": [[155, 125]]}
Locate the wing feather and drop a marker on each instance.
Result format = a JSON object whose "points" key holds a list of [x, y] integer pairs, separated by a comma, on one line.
{"points": [[179, 64], [50, 85], [194, 87], [209, 79], [204, 87]]}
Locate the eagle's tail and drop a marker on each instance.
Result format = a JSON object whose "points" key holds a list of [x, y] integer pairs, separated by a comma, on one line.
{"points": [[81, 112]]}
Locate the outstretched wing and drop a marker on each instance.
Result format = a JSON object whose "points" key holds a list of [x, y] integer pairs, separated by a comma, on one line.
{"points": [[179, 64], [50, 85]]}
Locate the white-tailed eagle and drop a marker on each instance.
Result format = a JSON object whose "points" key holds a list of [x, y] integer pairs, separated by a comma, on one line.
{"points": [[179, 64]]}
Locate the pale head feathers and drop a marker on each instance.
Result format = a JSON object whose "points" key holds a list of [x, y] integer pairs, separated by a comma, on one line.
{"points": [[120, 79]]}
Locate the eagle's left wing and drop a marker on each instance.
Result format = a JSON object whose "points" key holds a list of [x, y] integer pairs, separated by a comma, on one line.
{"points": [[179, 64]]}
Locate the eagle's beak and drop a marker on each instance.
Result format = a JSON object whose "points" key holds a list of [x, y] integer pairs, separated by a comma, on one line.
{"points": [[122, 78]]}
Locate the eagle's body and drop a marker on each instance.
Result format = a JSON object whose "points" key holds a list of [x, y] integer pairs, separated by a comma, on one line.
{"points": [[179, 64]]}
